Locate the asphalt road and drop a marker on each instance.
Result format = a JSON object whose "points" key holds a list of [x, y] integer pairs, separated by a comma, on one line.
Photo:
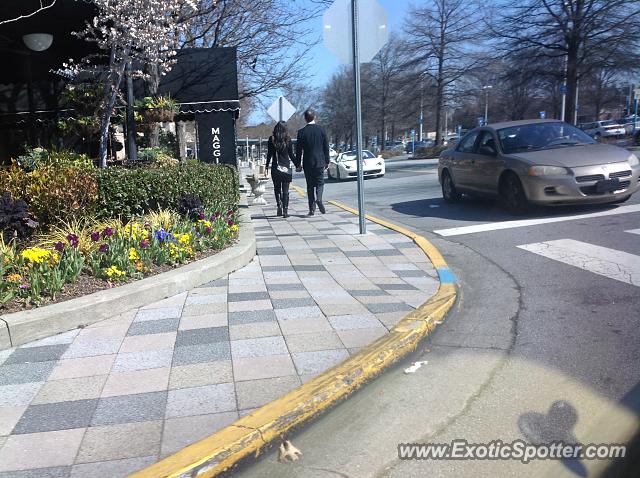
{"points": [[542, 345]]}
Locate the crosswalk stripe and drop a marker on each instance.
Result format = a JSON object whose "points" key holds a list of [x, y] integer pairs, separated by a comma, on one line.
{"points": [[634, 231], [494, 226], [618, 265]]}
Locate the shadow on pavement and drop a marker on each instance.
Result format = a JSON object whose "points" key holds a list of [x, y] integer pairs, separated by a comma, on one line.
{"points": [[474, 209]]}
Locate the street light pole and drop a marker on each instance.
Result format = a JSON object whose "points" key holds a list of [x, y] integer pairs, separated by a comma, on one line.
{"points": [[564, 90], [356, 78], [486, 88]]}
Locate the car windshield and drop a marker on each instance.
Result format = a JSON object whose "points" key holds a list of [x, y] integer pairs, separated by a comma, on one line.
{"points": [[609, 123], [537, 136], [351, 155]]}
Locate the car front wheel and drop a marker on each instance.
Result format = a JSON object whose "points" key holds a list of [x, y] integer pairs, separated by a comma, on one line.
{"points": [[513, 195], [449, 191]]}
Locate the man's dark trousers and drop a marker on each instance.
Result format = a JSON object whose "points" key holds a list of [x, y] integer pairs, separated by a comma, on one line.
{"points": [[315, 185]]}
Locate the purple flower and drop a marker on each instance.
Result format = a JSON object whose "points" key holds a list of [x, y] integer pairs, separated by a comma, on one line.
{"points": [[58, 246], [95, 236], [217, 215], [104, 248], [201, 216], [164, 236], [230, 222], [108, 232], [230, 213], [144, 243], [23, 286], [73, 240], [207, 230]]}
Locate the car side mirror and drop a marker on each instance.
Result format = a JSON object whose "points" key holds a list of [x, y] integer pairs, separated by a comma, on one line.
{"points": [[487, 150]]}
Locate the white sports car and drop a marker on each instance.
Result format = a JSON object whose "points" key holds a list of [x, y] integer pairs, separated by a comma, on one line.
{"points": [[344, 166]]}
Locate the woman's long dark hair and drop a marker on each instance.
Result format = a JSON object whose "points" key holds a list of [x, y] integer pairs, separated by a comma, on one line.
{"points": [[281, 137]]}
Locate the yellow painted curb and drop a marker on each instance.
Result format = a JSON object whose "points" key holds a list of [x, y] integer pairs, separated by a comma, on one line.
{"points": [[222, 450]]}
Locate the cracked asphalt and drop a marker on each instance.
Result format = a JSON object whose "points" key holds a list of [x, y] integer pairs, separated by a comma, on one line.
{"points": [[536, 348]]}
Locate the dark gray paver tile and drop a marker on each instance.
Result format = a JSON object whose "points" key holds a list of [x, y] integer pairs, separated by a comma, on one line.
{"points": [[312, 268], [45, 353], [56, 416], [386, 252], [251, 316], [285, 287], [153, 327], [270, 251], [244, 296], [389, 307], [141, 407], [314, 238], [289, 303], [25, 372], [358, 253], [411, 273], [201, 353], [207, 335], [397, 286], [367, 293], [404, 245]]}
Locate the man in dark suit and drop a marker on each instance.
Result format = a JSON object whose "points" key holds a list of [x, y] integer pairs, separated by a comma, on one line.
{"points": [[312, 155]]}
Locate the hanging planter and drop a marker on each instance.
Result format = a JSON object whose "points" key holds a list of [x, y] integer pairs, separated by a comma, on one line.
{"points": [[157, 110]]}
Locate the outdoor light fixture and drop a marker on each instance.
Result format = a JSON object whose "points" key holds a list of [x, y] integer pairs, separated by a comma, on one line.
{"points": [[38, 41]]}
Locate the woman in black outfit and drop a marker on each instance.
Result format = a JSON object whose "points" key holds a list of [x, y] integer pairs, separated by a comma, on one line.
{"points": [[281, 151]]}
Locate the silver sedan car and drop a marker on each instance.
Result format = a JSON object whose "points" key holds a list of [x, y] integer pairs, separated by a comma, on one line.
{"points": [[544, 162]]}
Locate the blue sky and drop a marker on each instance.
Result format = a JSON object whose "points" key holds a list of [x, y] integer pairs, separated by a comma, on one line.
{"points": [[322, 63]]}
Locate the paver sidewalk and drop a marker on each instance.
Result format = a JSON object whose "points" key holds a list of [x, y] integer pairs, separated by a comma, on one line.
{"points": [[114, 397]]}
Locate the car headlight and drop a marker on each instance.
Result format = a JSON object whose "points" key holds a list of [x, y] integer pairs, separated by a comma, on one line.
{"points": [[547, 171], [633, 160]]}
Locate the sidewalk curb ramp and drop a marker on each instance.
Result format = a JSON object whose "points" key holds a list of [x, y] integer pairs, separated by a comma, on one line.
{"points": [[22, 327], [224, 449]]}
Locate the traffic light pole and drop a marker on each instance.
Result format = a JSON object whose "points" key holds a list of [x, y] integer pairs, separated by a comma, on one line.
{"points": [[356, 78]]}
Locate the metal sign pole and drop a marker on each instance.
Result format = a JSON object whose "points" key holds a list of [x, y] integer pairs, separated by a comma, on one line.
{"points": [[356, 77], [280, 115]]}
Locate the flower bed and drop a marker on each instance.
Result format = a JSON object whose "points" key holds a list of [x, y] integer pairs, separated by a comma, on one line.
{"points": [[69, 229], [106, 253]]}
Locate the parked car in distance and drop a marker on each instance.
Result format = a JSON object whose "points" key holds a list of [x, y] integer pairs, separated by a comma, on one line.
{"points": [[603, 129], [395, 146], [428, 143], [627, 123], [344, 166], [544, 162]]}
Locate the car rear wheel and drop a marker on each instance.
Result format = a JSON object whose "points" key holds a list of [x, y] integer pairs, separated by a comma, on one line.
{"points": [[449, 191], [513, 195]]}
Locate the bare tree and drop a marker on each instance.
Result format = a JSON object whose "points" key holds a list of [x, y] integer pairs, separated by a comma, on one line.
{"points": [[43, 5], [439, 33], [579, 31], [271, 36]]}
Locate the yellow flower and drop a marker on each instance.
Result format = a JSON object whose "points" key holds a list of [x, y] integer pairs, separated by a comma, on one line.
{"points": [[35, 255], [136, 231], [133, 254], [14, 278], [174, 251], [139, 266], [204, 223], [234, 228], [184, 239], [114, 271]]}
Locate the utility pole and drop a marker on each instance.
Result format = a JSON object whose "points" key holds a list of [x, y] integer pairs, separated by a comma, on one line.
{"points": [[575, 112], [356, 78], [563, 90], [421, 107], [486, 88]]}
